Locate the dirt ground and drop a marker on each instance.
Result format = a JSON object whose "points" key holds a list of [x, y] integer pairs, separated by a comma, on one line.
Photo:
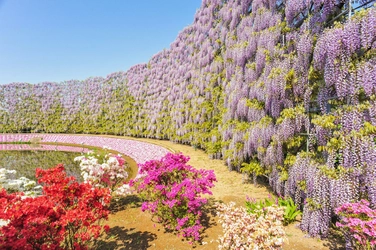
{"points": [[132, 229]]}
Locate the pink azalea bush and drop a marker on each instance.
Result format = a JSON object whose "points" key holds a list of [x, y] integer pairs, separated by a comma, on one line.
{"points": [[358, 221], [243, 230], [172, 192]]}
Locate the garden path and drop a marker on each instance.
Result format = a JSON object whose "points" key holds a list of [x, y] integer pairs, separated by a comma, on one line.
{"points": [[132, 229], [230, 187]]}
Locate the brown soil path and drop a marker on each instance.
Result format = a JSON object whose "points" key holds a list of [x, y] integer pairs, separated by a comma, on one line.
{"points": [[133, 229]]}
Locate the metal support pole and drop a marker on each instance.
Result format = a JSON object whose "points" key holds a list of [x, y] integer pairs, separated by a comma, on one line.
{"points": [[308, 134], [350, 5]]}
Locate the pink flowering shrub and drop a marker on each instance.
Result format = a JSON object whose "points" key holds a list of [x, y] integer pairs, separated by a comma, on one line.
{"points": [[243, 230], [358, 221], [172, 192]]}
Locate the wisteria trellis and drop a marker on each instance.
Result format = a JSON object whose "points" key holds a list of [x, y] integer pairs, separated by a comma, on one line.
{"points": [[248, 81]]}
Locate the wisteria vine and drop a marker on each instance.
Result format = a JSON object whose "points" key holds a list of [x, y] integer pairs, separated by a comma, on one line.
{"points": [[284, 89]]}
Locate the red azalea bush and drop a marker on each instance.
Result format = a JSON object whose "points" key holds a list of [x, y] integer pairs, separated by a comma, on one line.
{"points": [[65, 216], [358, 221], [172, 190]]}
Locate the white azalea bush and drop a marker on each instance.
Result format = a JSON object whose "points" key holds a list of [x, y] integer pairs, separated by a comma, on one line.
{"points": [[105, 171], [243, 230], [23, 184]]}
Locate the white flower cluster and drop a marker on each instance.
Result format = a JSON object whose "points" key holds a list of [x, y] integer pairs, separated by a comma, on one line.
{"points": [[23, 184], [243, 230], [123, 190], [110, 174]]}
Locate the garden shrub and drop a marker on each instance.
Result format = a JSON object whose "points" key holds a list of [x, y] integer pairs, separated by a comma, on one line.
{"points": [[172, 192], [104, 170], [65, 216], [244, 230], [291, 210], [358, 223]]}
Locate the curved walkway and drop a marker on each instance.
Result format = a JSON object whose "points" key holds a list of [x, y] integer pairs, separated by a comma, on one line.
{"points": [[137, 150], [228, 188]]}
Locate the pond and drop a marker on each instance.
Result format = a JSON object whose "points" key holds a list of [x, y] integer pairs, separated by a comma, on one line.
{"points": [[25, 159]]}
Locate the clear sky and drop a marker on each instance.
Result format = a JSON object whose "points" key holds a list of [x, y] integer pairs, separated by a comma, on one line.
{"points": [[57, 40]]}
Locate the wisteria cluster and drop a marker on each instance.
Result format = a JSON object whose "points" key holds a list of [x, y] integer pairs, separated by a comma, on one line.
{"points": [[243, 230], [253, 82]]}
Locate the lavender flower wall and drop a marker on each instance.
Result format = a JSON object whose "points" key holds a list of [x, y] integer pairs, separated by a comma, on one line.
{"points": [[256, 83]]}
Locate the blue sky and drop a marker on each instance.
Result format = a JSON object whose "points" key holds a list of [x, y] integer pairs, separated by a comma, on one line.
{"points": [[57, 40]]}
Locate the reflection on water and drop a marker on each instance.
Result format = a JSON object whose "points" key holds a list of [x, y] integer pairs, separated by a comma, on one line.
{"points": [[25, 158], [26, 161]]}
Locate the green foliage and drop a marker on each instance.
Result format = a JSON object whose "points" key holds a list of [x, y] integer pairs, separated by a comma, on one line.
{"points": [[266, 120], [302, 185], [312, 204], [334, 173], [285, 27], [333, 145], [274, 73], [254, 167], [257, 207], [255, 104], [290, 78], [250, 65], [368, 129], [241, 126], [326, 121], [295, 142], [291, 209], [289, 160], [290, 113], [284, 175]]}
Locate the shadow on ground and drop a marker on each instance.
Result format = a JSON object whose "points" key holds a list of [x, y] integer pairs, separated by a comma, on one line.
{"points": [[208, 220], [126, 239], [130, 201], [335, 241], [208, 215]]}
